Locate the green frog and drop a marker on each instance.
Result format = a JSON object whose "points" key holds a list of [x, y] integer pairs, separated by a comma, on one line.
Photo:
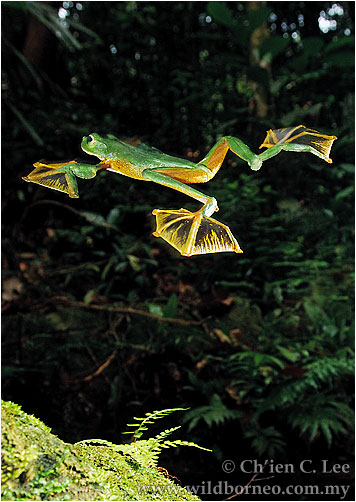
{"points": [[189, 233]]}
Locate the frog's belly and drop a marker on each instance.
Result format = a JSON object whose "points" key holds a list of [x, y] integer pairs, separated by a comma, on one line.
{"points": [[125, 168]]}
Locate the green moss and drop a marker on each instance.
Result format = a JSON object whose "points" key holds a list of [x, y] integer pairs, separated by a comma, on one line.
{"points": [[36, 465]]}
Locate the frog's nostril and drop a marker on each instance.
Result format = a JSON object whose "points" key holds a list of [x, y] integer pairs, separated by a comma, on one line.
{"points": [[90, 139]]}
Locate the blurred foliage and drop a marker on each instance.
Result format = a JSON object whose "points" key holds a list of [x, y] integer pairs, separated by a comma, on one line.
{"points": [[257, 345]]}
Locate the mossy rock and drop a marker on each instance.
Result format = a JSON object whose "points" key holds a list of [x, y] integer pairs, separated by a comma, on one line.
{"points": [[37, 465]]}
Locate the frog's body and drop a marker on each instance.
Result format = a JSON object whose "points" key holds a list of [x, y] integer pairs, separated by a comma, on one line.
{"points": [[120, 157], [190, 233]]}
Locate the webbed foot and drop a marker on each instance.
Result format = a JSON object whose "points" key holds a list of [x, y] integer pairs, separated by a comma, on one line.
{"points": [[57, 176], [193, 233]]}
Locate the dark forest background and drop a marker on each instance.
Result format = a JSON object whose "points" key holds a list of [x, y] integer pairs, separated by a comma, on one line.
{"points": [[259, 345]]}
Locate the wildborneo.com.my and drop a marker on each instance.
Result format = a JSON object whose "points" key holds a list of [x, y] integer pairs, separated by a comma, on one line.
{"points": [[227, 489]]}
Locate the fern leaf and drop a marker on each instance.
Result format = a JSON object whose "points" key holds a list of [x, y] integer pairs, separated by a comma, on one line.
{"points": [[164, 434], [214, 413], [149, 419], [146, 452]]}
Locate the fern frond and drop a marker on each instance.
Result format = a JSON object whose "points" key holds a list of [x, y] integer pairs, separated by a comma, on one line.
{"points": [[146, 451], [179, 442], [265, 441], [214, 413], [318, 415], [149, 419], [318, 374], [162, 435]]}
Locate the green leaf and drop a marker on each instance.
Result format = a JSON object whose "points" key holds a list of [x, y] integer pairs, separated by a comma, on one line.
{"points": [[272, 46], [95, 219], [341, 42], [349, 168], [220, 13], [170, 309], [290, 355], [155, 309], [113, 216], [256, 17], [346, 192], [89, 296], [134, 262]]}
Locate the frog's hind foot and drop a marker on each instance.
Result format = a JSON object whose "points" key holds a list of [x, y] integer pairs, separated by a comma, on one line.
{"points": [[193, 233]]}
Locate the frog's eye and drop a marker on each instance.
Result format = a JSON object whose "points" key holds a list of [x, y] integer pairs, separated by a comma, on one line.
{"points": [[90, 139]]}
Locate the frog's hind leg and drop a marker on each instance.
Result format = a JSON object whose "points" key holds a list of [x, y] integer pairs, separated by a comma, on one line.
{"points": [[215, 157], [191, 233]]}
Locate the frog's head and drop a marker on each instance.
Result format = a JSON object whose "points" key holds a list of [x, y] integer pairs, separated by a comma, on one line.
{"points": [[94, 144]]}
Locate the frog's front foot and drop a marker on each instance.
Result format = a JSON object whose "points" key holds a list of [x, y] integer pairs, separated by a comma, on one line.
{"points": [[193, 233]]}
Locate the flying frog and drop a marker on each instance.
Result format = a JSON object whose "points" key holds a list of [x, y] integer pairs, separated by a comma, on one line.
{"points": [[190, 233]]}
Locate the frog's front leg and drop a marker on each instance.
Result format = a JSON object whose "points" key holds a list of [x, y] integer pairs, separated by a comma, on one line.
{"points": [[61, 176], [191, 233]]}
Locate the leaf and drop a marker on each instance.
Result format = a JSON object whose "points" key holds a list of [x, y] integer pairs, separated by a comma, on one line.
{"points": [[341, 42], [89, 296], [170, 309], [134, 262], [214, 413], [349, 168], [155, 309], [220, 13], [272, 46], [113, 216], [314, 312], [346, 192], [256, 17], [95, 219], [288, 354]]}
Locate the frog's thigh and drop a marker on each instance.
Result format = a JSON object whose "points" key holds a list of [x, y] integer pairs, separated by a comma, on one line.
{"points": [[199, 174]]}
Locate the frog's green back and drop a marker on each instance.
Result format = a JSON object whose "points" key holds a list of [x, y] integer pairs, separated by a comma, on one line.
{"points": [[141, 156]]}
